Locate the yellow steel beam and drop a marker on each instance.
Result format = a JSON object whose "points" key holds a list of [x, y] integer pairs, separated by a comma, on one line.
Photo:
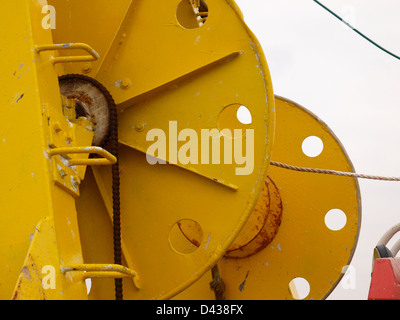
{"points": [[37, 195]]}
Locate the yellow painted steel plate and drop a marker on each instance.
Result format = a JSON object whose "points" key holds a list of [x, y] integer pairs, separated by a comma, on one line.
{"points": [[320, 220], [170, 74]]}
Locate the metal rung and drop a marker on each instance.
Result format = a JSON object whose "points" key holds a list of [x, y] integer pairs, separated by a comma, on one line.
{"points": [[93, 55], [108, 159], [103, 271]]}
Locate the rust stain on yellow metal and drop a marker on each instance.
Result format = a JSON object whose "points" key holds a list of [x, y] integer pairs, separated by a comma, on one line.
{"points": [[269, 206], [259, 230]]}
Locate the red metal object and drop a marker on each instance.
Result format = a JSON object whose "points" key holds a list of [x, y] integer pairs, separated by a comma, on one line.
{"points": [[385, 282]]}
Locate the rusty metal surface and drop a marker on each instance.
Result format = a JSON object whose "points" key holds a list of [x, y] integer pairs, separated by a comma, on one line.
{"points": [[254, 224], [91, 102], [191, 230], [272, 207], [258, 232]]}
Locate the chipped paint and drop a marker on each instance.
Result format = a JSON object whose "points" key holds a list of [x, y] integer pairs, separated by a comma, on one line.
{"points": [[19, 98], [208, 241], [241, 286], [272, 211], [25, 271]]}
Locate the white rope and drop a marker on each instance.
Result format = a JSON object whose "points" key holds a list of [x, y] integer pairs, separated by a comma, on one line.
{"points": [[333, 172]]}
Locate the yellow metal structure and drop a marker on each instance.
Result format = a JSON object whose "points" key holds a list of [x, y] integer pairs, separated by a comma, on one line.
{"points": [[210, 65], [38, 192], [223, 69], [307, 246], [179, 72]]}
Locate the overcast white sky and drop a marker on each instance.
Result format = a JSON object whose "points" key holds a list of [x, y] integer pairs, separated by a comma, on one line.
{"points": [[352, 86]]}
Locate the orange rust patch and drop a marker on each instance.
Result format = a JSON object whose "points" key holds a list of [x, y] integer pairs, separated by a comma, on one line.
{"points": [[270, 228], [255, 223], [258, 232]]}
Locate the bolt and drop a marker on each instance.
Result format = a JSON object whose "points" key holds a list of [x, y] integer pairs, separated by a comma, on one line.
{"points": [[87, 67], [56, 127], [68, 139], [126, 83], [75, 182], [139, 127], [62, 173]]}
